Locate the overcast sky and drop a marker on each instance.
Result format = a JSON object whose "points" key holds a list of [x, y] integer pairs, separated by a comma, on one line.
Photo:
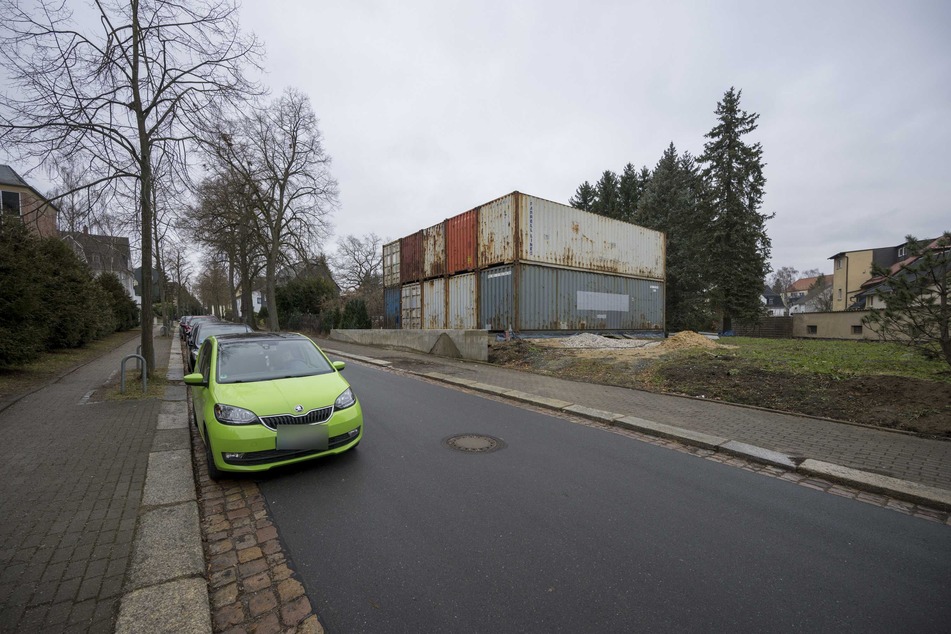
{"points": [[431, 108]]}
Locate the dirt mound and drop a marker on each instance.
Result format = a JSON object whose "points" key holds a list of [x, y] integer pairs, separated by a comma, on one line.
{"points": [[688, 339]]}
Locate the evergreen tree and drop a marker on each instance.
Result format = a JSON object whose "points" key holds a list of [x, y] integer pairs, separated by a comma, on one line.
{"points": [[584, 197], [23, 331], [671, 202], [737, 251], [606, 195], [630, 188]]}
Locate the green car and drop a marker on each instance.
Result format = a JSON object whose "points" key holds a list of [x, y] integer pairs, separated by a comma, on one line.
{"points": [[262, 400]]}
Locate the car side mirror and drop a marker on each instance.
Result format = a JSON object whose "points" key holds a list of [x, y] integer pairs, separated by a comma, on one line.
{"points": [[195, 379], [339, 365]]}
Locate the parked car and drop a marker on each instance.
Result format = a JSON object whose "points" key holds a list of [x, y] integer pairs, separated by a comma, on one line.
{"points": [[193, 323], [263, 400], [204, 329]]}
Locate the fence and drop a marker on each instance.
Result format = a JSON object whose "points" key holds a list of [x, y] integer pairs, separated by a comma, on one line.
{"points": [[832, 325]]}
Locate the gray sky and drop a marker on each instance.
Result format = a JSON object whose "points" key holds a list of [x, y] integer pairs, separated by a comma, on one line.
{"points": [[432, 108]]}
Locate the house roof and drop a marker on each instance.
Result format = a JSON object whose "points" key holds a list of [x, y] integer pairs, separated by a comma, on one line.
{"points": [[805, 283], [9, 177], [113, 252]]}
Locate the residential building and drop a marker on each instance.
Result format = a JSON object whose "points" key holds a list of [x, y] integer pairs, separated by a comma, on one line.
{"points": [[816, 300], [258, 300], [869, 297], [19, 199], [104, 254], [852, 269], [773, 302]]}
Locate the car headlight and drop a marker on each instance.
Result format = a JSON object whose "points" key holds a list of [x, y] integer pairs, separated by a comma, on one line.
{"points": [[231, 415], [345, 400]]}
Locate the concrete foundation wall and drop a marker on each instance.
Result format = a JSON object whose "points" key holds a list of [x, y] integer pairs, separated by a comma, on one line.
{"points": [[835, 325], [458, 344]]}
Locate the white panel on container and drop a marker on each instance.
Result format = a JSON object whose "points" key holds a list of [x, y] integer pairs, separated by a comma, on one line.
{"points": [[603, 301]]}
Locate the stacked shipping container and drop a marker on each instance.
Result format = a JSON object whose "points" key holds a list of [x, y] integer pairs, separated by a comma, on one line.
{"points": [[525, 263]]}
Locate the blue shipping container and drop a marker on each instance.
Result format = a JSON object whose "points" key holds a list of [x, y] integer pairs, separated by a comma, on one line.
{"points": [[391, 308]]}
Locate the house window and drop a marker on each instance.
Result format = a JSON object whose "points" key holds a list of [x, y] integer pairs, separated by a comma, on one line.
{"points": [[901, 252], [812, 330], [258, 298], [838, 263], [856, 330], [840, 293], [11, 203]]}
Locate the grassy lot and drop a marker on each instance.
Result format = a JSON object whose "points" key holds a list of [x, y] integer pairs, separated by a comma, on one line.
{"points": [[873, 383]]}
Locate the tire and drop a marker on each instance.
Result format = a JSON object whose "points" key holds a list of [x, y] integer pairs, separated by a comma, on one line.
{"points": [[213, 471]]}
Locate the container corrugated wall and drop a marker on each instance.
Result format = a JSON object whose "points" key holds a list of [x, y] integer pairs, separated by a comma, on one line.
{"points": [[391, 307], [497, 232], [411, 258], [496, 298], [462, 238], [551, 233], [552, 298], [434, 251], [434, 304], [410, 306], [391, 264], [462, 301]]}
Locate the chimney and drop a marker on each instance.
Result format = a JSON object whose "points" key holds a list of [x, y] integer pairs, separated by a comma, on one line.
{"points": [[85, 230]]}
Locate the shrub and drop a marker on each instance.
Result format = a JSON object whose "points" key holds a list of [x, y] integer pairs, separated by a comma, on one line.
{"points": [[22, 330], [68, 296], [355, 315], [124, 311]]}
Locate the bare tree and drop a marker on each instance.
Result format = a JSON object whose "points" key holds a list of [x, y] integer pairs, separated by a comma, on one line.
{"points": [[119, 90], [357, 260], [277, 151]]}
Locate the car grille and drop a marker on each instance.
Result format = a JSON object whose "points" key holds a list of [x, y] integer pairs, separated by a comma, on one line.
{"points": [[274, 455], [319, 415]]}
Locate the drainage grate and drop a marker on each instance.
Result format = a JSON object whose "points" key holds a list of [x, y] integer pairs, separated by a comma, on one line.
{"points": [[474, 443]]}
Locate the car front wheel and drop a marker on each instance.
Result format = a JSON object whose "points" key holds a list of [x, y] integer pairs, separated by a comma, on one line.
{"points": [[213, 471]]}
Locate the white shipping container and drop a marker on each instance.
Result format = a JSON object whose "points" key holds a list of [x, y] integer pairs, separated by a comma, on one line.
{"points": [[410, 306], [559, 235], [391, 264], [497, 232], [434, 250], [434, 304], [462, 301]]}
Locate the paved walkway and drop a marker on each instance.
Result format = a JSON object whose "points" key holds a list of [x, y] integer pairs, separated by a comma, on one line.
{"points": [[72, 473], [887, 453]]}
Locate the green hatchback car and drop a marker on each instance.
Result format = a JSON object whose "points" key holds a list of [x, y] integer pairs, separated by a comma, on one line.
{"points": [[262, 400]]}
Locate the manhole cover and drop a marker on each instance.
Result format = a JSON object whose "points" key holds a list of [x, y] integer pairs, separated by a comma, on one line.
{"points": [[474, 443]]}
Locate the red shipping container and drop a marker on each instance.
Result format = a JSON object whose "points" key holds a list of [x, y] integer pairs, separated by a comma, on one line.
{"points": [[462, 233], [411, 258]]}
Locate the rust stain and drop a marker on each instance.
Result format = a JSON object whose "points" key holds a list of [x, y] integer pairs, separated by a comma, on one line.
{"points": [[575, 227]]}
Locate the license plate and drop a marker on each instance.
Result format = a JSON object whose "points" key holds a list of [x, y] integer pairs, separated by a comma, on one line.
{"points": [[302, 437]]}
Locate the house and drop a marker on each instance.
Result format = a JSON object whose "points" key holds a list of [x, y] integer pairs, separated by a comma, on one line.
{"points": [[800, 288], [258, 300], [869, 297], [816, 300], [19, 199], [852, 269], [104, 254], [773, 302]]}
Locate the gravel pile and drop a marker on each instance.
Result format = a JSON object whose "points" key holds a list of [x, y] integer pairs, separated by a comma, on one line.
{"points": [[590, 341]]}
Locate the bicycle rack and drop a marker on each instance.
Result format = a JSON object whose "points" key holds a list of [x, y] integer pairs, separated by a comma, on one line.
{"points": [[140, 361]]}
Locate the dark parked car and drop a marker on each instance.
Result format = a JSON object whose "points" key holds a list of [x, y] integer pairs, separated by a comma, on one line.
{"points": [[193, 323], [205, 329]]}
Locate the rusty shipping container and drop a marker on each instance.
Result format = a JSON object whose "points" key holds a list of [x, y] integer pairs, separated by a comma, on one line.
{"points": [[391, 308], [410, 306], [522, 228], [434, 303], [462, 239], [411, 258], [391, 264], [463, 294], [529, 297], [434, 251]]}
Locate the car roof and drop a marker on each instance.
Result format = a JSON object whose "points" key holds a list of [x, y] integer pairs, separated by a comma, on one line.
{"points": [[257, 336], [215, 325]]}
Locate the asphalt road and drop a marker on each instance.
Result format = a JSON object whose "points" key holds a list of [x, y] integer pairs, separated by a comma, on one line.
{"points": [[573, 528]]}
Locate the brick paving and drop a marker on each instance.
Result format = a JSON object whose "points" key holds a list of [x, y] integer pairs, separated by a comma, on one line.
{"points": [[898, 455], [71, 479], [251, 584]]}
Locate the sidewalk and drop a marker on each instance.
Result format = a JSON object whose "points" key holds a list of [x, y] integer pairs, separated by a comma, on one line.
{"points": [[75, 479], [920, 463]]}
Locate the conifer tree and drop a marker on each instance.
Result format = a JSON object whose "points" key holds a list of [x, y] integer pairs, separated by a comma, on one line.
{"points": [[584, 197], [671, 202], [737, 248], [606, 195], [630, 188]]}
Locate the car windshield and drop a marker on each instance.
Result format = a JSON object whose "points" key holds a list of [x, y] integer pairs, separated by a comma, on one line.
{"points": [[248, 361], [206, 330]]}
